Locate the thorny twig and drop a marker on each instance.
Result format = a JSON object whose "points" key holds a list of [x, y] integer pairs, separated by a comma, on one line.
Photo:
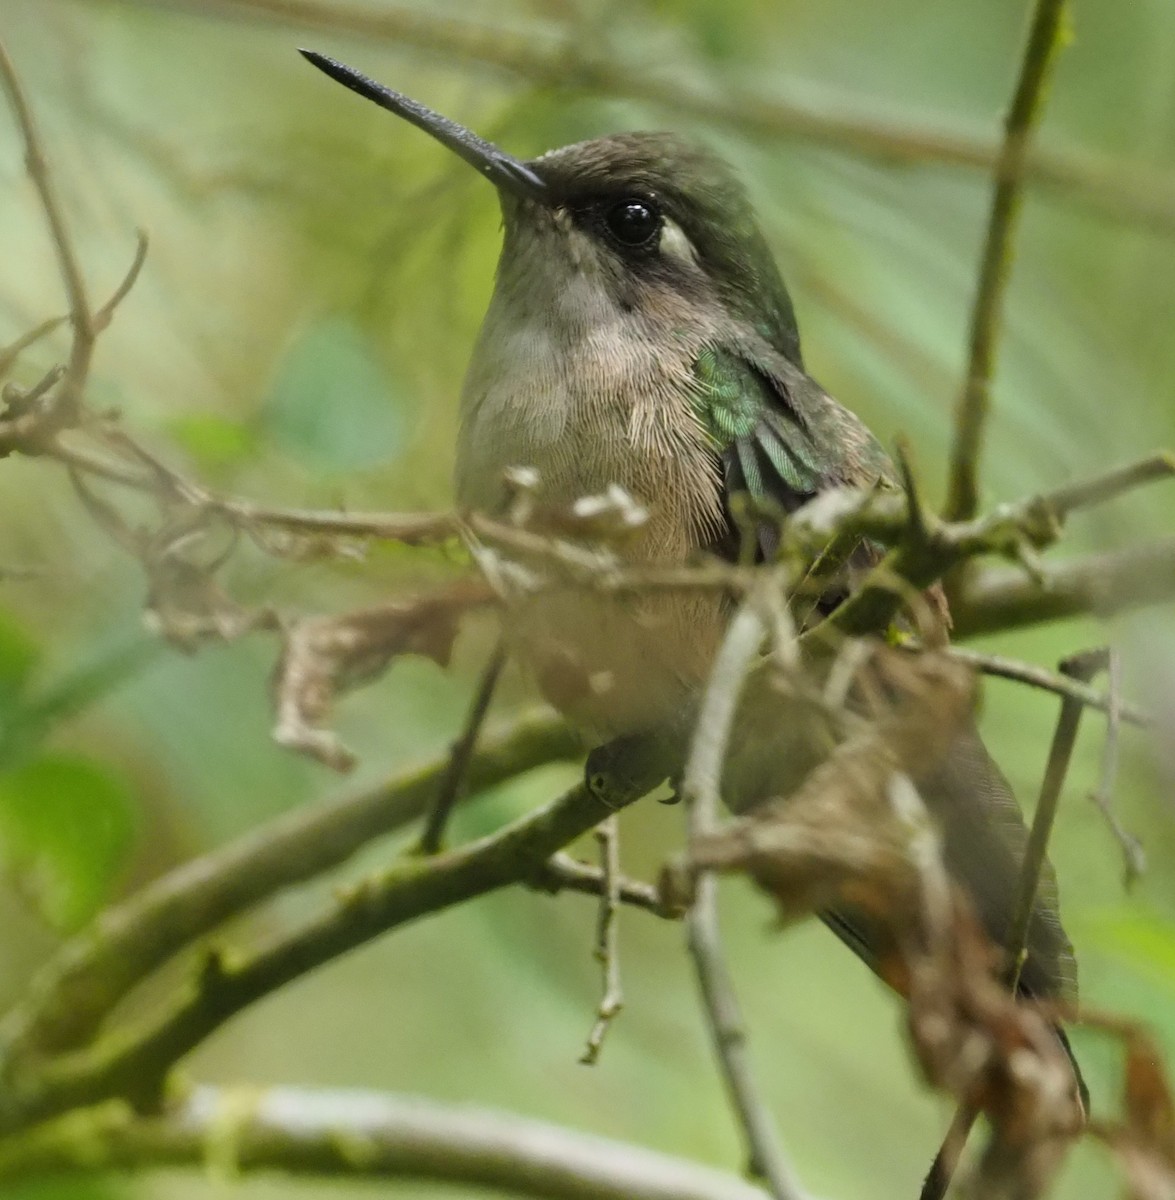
{"points": [[1133, 856], [607, 949], [1044, 41], [454, 779]]}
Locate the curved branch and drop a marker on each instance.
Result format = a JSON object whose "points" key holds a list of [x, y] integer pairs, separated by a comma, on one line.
{"points": [[999, 599], [71, 997], [134, 1063], [367, 1135]]}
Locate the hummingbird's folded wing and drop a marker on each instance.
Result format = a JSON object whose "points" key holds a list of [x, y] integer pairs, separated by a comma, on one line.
{"points": [[783, 440]]}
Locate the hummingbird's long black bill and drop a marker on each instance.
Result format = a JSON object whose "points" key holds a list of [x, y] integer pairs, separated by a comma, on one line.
{"points": [[496, 165]]}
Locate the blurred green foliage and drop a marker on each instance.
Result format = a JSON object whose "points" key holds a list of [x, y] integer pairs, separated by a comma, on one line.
{"points": [[316, 277]]}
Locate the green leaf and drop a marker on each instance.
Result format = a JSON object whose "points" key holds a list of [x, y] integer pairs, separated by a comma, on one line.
{"points": [[86, 1187], [213, 441], [66, 826], [19, 653], [332, 405], [1136, 937]]}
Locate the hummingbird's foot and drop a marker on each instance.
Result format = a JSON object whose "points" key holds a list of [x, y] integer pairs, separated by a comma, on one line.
{"points": [[674, 796], [627, 768]]}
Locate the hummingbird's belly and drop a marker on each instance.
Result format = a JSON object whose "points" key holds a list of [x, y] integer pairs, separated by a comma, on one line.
{"points": [[612, 664], [616, 666]]}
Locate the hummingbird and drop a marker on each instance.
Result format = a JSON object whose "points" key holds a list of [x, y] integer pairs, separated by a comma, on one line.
{"points": [[640, 334]]}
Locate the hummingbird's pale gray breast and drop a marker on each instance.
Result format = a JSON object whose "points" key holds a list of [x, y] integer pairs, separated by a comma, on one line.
{"points": [[589, 384]]}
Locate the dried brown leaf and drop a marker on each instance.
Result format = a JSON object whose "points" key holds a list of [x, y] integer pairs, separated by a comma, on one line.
{"points": [[840, 835], [188, 608], [855, 835], [326, 656], [1143, 1141]]}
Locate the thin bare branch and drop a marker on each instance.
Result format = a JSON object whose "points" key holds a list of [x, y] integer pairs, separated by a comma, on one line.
{"points": [[1081, 667], [410, 528], [607, 949], [1100, 489], [1050, 681], [10, 353], [454, 780], [80, 314], [105, 314], [1133, 856], [946, 1162], [1044, 42], [561, 872], [700, 791]]}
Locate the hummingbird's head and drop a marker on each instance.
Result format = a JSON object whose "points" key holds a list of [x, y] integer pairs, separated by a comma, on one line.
{"points": [[648, 221]]}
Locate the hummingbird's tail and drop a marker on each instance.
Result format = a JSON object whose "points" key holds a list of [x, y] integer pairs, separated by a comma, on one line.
{"points": [[984, 840]]}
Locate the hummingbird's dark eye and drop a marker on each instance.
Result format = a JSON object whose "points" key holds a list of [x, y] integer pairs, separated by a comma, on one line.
{"points": [[633, 222]]}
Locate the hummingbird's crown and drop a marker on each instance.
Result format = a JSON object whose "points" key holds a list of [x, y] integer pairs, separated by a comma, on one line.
{"points": [[652, 194]]}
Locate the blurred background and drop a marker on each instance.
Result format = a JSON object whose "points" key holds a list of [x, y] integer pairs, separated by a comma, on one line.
{"points": [[316, 276]]}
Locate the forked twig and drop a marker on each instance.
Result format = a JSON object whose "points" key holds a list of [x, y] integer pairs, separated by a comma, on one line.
{"points": [[607, 950], [1133, 856], [80, 315], [561, 873]]}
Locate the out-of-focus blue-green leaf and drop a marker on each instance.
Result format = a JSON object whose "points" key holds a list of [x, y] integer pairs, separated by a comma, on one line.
{"points": [[332, 405], [66, 826], [28, 718]]}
